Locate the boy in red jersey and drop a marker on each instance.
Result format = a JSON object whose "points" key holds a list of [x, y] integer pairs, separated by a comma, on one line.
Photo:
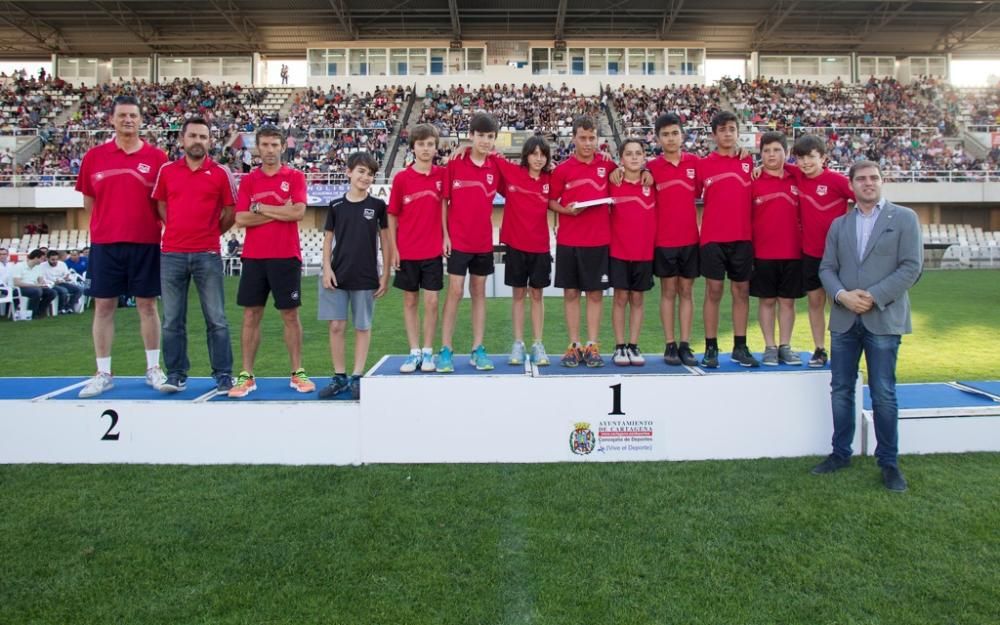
{"points": [[467, 215], [726, 248], [417, 242], [823, 196], [777, 271], [525, 230], [116, 179], [675, 258], [582, 239], [633, 234], [270, 204]]}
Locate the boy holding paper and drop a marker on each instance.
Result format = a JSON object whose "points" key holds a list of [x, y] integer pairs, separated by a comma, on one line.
{"points": [[582, 238]]}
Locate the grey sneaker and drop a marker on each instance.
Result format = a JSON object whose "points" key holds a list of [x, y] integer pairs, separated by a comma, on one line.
{"points": [[174, 383], [516, 353], [155, 377], [96, 385], [538, 355], [770, 358], [788, 356]]}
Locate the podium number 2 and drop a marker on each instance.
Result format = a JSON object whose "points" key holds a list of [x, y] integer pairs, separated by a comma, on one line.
{"points": [[616, 399], [109, 436]]}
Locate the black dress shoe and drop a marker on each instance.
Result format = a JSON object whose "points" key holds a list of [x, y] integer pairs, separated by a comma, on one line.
{"points": [[893, 479], [832, 463], [671, 356]]}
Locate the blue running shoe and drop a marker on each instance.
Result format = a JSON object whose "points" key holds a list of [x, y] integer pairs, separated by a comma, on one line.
{"points": [[444, 361], [411, 363], [480, 360]]}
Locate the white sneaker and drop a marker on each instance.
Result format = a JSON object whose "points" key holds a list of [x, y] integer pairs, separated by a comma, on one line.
{"points": [[96, 385], [155, 377], [427, 363], [635, 357], [410, 364], [620, 357]]}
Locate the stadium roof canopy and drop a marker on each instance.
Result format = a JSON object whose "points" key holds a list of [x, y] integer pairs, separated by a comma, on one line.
{"points": [[34, 28]]}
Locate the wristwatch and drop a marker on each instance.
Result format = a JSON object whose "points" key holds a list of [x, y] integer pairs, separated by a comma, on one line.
{"points": [[255, 208]]}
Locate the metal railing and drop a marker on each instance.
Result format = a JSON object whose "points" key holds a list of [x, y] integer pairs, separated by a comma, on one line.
{"points": [[69, 180]]}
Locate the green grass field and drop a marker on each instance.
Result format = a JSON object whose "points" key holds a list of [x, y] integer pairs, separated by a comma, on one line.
{"points": [[736, 542], [955, 318]]}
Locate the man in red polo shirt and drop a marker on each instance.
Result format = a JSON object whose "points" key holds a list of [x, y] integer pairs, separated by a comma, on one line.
{"points": [[115, 179], [270, 204], [726, 247], [195, 197], [582, 239], [468, 238], [777, 247]]}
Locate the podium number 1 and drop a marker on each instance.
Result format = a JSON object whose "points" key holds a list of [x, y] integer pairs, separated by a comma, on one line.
{"points": [[616, 399], [108, 436]]}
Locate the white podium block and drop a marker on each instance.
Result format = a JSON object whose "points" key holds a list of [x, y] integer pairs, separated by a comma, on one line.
{"points": [[941, 418]]}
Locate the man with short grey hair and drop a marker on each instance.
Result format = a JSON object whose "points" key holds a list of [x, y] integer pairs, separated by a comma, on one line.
{"points": [[873, 255]]}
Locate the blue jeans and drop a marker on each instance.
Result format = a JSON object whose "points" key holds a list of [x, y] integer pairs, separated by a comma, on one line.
{"points": [[176, 272], [880, 352], [68, 294]]}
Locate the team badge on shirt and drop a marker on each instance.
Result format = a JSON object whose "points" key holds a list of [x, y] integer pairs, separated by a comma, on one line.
{"points": [[437, 183], [489, 178], [690, 174], [284, 186], [601, 172], [646, 191], [746, 168], [821, 190], [795, 190], [545, 189], [369, 213], [143, 168]]}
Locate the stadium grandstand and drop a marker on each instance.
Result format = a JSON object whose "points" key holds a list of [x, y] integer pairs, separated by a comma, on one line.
{"points": [[738, 539]]}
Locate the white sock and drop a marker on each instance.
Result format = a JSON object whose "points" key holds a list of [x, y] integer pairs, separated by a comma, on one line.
{"points": [[428, 351], [152, 358], [415, 351], [104, 365]]}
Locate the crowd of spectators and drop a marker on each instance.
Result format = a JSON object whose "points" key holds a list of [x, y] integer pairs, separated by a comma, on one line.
{"points": [[43, 281], [638, 107], [534, 108]]}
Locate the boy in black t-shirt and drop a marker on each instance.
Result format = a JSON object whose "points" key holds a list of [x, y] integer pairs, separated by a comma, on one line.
{"points": [[356, 226]]}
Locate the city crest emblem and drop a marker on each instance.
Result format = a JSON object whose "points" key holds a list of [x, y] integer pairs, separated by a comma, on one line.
{"points": [[582, 439]]}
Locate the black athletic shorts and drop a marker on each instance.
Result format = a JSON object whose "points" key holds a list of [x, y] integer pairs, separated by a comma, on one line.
{"points": [[583, 268], [414, 275], [461, 263], [281, 277], [776, 278], [633, 275], [810, 273], [118, 269], [670, 262], [733, 259], [532, 269]]}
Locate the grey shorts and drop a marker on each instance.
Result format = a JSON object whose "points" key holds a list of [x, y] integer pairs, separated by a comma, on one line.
{"points": [[333, 306]]}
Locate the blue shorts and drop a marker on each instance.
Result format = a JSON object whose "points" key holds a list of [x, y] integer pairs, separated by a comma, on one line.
{"points": [[124, 269]]}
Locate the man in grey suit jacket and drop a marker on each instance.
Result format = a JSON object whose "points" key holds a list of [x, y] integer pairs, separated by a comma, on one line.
{"points": [[873, 256]]}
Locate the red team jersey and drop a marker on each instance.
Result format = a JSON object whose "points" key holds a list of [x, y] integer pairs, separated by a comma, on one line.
{"points": [[821, 200], [776, 231], [677, 186], [194, 204], [575, 181], [120, 183], [415, 200], [525, 224], [633, 221], [275, 239], [726, 182], [470, 192]]}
